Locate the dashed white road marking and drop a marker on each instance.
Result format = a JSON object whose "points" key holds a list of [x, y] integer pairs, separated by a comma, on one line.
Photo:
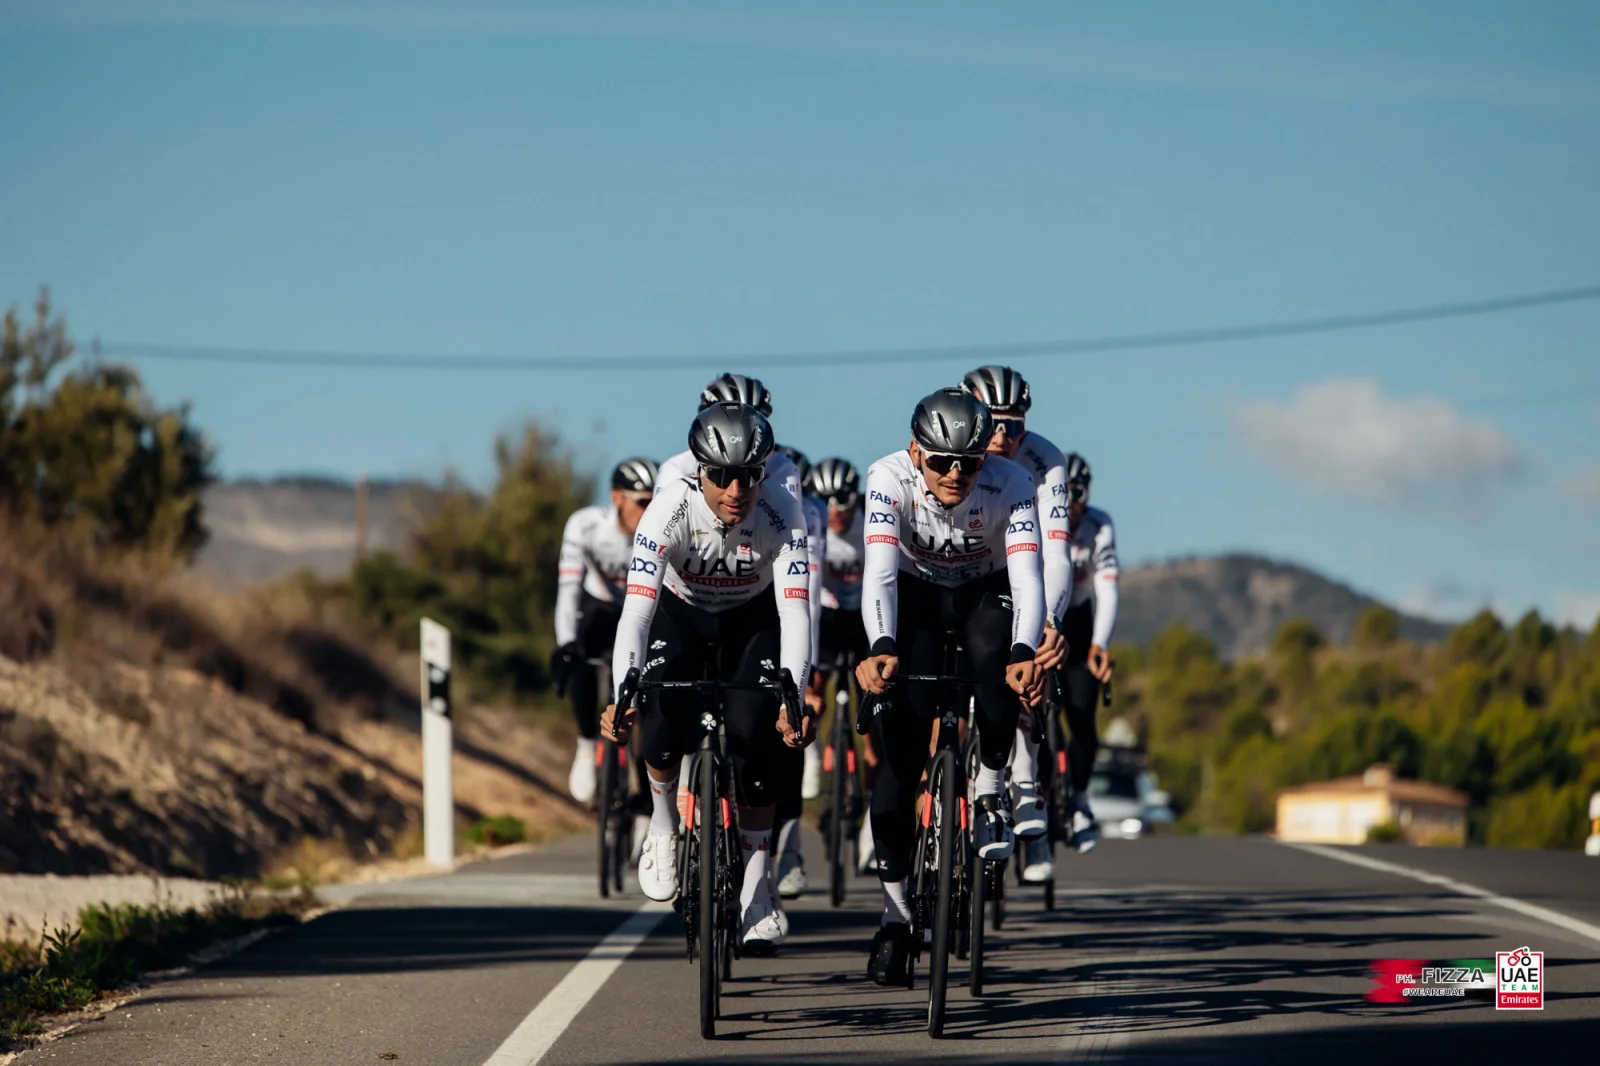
{"points": [[543, 1026]]}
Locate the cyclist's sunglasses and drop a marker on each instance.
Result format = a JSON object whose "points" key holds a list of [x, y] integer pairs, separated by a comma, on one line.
{"points": [[1078, 491], [845, 501], [941, 462], [723, 476], [1011, 427]]}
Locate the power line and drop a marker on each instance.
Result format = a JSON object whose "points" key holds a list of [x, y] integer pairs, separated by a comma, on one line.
{"points": [[768, 360]]}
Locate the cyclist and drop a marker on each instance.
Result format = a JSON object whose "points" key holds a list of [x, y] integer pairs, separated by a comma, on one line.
{"points": [[841, 634], [596, 546], [719, 567], [952, 542], [1088, 627], [791, 862], [1009, 400], [735, 388]]}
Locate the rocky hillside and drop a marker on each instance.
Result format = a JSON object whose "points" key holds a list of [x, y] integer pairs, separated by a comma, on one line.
{"points": [[265, 530], [1239, 601]]}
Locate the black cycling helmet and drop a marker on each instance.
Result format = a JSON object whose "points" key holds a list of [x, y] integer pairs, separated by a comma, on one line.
{"points": [[730, 434], [801, 463], [1001, 388], [952, 421], [1078, 470], [837, 480], [739, 389], [637, 474]]}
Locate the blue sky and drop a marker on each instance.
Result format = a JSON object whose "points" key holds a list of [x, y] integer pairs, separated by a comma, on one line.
{"points": [[600, 180]]}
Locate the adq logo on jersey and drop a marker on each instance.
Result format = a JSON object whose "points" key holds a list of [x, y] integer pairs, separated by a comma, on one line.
{"points": [[1519, 980]]}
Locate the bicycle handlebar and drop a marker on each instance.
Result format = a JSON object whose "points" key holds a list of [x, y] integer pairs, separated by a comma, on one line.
{"points": [[872, 703], [787, 692]]}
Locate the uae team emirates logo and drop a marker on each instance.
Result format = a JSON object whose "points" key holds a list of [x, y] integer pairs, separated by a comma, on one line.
{"points": [[1519, 980]]}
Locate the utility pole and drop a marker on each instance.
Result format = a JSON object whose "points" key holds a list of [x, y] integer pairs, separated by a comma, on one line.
{"points": [[361, 516]]}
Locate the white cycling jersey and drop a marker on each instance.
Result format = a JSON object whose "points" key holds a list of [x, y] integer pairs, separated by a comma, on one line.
{"points": [[816, 560], [683, 466], [680, 544], [841, 582], [1094, 556], [594, 559], [1049, 469], [996, 527]]}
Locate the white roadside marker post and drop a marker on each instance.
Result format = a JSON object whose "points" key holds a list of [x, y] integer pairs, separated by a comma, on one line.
{"points": [[1592, 845], [438, 800]]}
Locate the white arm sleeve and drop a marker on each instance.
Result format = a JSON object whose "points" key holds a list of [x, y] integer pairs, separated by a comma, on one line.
{"points": [[880, 563], [1056, 541], [1105, 585], [792, 588], [1023, 570], [569, 581], [644, 588]]}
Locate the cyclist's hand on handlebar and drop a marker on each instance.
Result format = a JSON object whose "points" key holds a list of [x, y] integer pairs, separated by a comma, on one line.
{"points": [[1100, 663], [873, 673], [1026, 680], [1052, 650], [806, 734], [618, 727]]}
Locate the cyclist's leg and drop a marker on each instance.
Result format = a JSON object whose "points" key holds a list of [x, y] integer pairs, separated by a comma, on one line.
{"points": [[667, 730], [751, 648], [1082, 698], [583, 689], [985, 607]]}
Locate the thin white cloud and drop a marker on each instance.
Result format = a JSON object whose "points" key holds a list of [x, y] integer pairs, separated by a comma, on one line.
{"points": [[1583, 484], [1579, 609], [1078, 57], [1347, 439]]}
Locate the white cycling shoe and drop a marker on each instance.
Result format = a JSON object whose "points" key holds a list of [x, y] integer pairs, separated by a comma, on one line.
{"points": [[1038, 860], [791, 875], [811, 776], [1085, 831], [763, 930], [991, 828], [658, 866], [1027, 812], [580, 782]]}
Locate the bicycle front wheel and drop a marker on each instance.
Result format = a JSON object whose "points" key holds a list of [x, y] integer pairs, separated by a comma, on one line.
{"points": [[606, 755], [944, 793], [708, 831], [838, 831]]}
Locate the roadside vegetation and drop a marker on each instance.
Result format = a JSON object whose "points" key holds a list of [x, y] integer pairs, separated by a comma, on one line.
{"points": [[1510, 715], [112, 946]]}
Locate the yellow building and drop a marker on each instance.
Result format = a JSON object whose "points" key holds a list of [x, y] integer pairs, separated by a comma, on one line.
{"points": [[1341, 811]]}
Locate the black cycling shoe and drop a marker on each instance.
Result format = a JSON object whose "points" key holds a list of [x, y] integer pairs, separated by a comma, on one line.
{"points": [[891, 950]]}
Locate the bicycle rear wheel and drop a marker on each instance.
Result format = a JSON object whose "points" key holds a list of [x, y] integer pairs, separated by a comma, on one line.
{"points": [[838, 831], [605, 754], [943, 793], [981, 889], [709, 834]]}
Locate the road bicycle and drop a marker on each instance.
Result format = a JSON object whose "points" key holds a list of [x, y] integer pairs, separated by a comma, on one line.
{"points": [[710, 867], [841, 819]]}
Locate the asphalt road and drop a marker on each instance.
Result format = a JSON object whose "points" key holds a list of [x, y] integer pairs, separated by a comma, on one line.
{"points": [[1170, 949]]}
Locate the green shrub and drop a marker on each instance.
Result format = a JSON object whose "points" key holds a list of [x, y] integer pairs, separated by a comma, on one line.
{"points": [[1385, 833], [498, 831]]}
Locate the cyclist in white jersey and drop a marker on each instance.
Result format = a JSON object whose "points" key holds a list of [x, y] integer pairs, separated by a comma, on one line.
{"points": [[1009, 398], [1090, 620], [596, 547], [718, 569], [791, 877], [842, 637], [952, 544], [735, 388]]}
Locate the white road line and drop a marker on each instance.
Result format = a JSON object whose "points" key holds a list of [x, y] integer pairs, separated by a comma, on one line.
{"points": [[544, 1025], [1532, 910]]}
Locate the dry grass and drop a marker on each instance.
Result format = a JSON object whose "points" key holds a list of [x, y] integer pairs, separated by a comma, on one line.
{"points": [[151, 724]]}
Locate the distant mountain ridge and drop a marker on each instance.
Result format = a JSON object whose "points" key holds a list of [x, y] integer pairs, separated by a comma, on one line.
{"points": [[262, 531], [1240, 600]]}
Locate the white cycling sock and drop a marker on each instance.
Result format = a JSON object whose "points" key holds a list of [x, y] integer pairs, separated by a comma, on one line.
{"points": [[895, 907], [1025, 759], [585, 752], [757, 848], [663, 805], [988, 781], [789, 837]]}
